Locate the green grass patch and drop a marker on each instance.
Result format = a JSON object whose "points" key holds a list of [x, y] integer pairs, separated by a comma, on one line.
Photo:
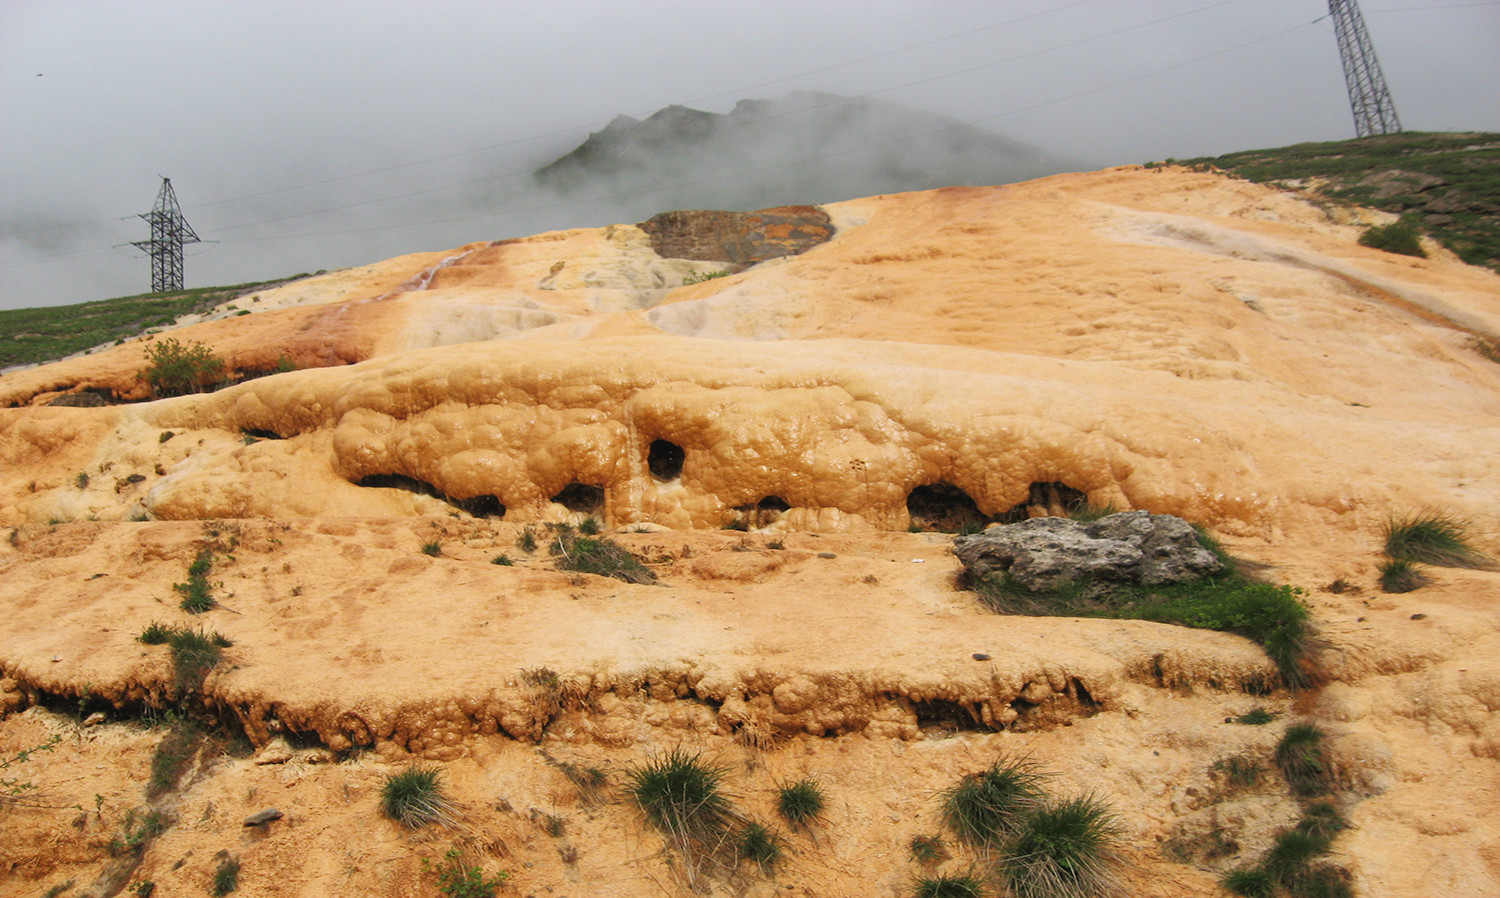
{"points": [[986, 808], [1400, 237], [1433, 537], [173, 754], [597, 555], [1303, 759], [194, 652], [414, 797], [1255, 717], [926, 850], [1274, 617]]}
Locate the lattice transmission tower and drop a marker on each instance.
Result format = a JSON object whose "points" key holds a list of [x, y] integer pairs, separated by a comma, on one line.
{"points": [[169, 231], [1374, 113]]}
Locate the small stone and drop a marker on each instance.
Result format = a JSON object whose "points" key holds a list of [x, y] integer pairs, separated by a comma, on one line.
{"points": [[263, 817], [94, 719], [56, 658], [826, 555], [981, 656], [1419, 616]]}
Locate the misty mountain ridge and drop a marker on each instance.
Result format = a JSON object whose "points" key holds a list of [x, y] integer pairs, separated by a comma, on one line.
{"points": [[808, 147]]}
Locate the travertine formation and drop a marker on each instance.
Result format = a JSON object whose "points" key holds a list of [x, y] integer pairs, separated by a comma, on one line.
{"points": [[1156, 340]]}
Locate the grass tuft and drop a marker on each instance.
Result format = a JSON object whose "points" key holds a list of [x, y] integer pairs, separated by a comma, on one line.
{"points": [[1250, 882], [502, 559], [759, 845], [988, 807], [950, 885], [1256, 716], [414, 797], [1303, 760], [226, 877], [680, 795], [1400, 576], [1433, 537], [927, 849], [801, 803], [432, 549], [1066, 849]]}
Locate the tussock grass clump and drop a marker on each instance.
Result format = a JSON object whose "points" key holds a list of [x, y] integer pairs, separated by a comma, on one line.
{"points": [[680, 795], [759, 845], [591, 781], [432, 549], [1303, 760], [1399, 576], [414, 797], [988, 807], [1065, 849], [1239, 771], [197, 592], [1433, 537], [950, 885], [1256, 716], [927, 849], [1250, 882], [801, 803], [226, 877]]}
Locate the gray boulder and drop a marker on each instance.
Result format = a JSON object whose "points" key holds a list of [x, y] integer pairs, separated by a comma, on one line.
{"points": [[1131, 547]]}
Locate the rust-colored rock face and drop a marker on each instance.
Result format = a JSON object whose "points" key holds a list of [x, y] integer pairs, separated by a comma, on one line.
{"points": [[740, 238]]}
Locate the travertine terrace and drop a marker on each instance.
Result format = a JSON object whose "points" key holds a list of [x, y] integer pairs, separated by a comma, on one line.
{"points": [[1156, 339]]}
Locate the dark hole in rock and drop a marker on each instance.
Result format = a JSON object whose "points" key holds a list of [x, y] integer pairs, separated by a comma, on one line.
{"points": [[260, 434], [762, 514], [88, 397], [665, 460], [942, 716], [478, 506], [582, 498], [1054, 499], [943, 507], [481, 506]]}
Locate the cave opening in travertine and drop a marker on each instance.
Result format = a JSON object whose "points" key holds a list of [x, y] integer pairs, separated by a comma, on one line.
{"points": [[943, 507], [481, 506], [665, 460], [1053, 498], [582, 498]]}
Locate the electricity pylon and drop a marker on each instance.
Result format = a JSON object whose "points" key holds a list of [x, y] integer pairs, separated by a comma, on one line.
{"points": [[1374, 113], [169, 231]]}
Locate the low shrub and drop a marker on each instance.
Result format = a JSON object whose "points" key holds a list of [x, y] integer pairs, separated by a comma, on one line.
{"points": [[1401, 576], [432, 549], [177, 369], [1303, 760], [986, 808], [1066, 849], [801, 803], [457, 879], [1433, 537], [414, 797], [1399, 237]]}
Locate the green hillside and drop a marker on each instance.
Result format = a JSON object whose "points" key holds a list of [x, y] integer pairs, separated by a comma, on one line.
{"points": [[1446, 184]]}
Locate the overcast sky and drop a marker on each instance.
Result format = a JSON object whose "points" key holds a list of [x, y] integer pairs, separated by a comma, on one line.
{"points": [[313, 134]]}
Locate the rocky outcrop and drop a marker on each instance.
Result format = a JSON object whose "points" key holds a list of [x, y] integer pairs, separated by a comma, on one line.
{"points": [[742, 238], [1132, 547]]}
